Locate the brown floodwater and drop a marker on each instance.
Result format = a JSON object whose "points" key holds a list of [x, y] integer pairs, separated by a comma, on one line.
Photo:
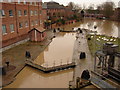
{"points": [[59, 52], [110, 28]]}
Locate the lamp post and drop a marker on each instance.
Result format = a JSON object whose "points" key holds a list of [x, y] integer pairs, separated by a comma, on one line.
{"points": [[95, 39]]}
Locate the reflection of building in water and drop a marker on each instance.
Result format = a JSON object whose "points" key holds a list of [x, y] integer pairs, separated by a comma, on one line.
{"points": [[40, 59]]}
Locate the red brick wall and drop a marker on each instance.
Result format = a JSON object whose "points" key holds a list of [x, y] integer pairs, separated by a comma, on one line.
{"points": [[7, 20], [19, 33]]}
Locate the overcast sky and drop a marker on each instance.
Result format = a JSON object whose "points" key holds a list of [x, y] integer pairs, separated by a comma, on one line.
{"points": [[83, 2]]}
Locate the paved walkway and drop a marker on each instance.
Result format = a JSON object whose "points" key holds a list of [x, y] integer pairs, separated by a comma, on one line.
{"points": [[16, 56], [81, 45]]}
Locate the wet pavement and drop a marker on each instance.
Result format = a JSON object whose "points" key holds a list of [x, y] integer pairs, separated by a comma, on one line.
{"points": [[81, 45]]}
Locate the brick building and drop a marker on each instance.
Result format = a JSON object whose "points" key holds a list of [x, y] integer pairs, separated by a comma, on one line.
{"points": [[18, 18], [52, 12]]}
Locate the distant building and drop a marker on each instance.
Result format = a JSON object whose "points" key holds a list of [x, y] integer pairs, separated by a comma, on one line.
{"points": [[53, 11], [18, 18]]}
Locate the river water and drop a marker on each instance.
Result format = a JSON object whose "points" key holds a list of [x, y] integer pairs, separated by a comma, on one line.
{"points": [[109, 28], [60, 51]]}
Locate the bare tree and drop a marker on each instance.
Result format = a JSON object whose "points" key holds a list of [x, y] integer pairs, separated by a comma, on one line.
{"points": [[108, 9], [71, 5]]}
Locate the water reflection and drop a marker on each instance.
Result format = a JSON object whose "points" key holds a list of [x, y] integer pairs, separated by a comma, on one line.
{"points": [[31, 78], [106, 27], [103, 26], [58, 52]]}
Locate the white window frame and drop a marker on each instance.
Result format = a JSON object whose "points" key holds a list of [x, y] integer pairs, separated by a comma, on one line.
{"points": [[24, 2], [2, 13], [35, 12], [12, 28], [19, 13], [32, 23], [21, 25], [9, 1], [5, 30], [31, 13], [24, 12], [35, 3], [36, 22], [11, 15], [18, 1], [31, 3], [26, 23], [41, 22]]}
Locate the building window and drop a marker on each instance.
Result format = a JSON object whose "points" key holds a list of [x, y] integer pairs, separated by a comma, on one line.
{"points": [[40, 12], [32, 23], [12, 27], [30, 3], [35, 3], [18, 1], [36, 22], [40, 21], [2, 13], [25, 12], [24, 2], [31, 13], [35, 12], [26, 24], [1, 0], [4, 29], [19, 13], [9, 1], [10, 13], [20, 25]]}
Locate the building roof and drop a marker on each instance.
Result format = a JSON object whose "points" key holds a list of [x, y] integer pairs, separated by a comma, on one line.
{"points": [[38, 29], [52, 5]]}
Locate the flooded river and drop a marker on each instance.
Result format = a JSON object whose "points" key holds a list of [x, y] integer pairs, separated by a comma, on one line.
{"points": [[109, 28], [59, 51]]}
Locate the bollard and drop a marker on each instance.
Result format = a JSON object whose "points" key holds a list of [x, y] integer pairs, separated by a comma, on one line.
{"points": [[54, 31], [89, 38], [27, 54], [3, 71], [85, 75], [82, 55]]}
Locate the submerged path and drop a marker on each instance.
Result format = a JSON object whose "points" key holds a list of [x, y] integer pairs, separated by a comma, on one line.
{"points": [[50, 69], [81, 45]]}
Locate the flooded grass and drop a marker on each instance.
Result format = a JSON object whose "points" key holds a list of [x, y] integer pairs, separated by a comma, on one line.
{"points": [[96, 42]]}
